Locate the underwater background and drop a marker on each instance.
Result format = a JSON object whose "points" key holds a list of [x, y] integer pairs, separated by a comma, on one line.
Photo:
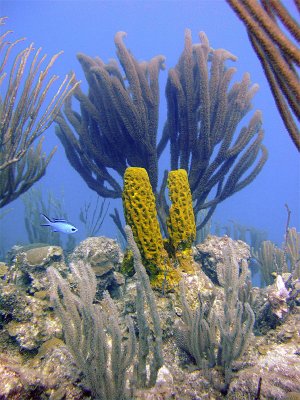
{"points": [[153, 28]]}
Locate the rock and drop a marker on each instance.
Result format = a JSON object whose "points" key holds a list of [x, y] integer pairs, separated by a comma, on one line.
{"points": [[162, 390], [279, 369], [52, 375], [30, 323], [29, 267], [24, 300], [103, 254], [210, 253], [42, 256], [17, 381], [274, 358], [105, 257], [273, 304]]}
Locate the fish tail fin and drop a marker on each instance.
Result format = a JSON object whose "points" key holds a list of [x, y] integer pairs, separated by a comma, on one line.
{"points": [[47, 219]]}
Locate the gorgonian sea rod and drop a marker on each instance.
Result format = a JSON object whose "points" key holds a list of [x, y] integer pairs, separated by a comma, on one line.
{"points": [[118, 121]]}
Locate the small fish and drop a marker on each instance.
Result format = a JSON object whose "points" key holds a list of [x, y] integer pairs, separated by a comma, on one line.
{"points": [[59, 225]]}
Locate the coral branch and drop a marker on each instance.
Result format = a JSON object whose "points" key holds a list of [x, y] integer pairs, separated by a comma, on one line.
{"points": [[24, 117], [118, 121], [278, 54]]}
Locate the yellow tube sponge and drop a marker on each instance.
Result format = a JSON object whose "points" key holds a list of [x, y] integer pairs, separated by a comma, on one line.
{"points": [[181, 221], [140, 213]]}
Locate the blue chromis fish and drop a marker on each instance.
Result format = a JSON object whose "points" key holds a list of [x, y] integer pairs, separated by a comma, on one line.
{"points": [[59, 225]]}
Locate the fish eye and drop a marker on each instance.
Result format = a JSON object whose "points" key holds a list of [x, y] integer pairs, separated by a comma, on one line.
{"points": [[73, 229]]}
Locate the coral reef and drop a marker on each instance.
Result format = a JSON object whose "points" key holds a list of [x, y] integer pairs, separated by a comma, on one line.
{"points": [[36, 363]]}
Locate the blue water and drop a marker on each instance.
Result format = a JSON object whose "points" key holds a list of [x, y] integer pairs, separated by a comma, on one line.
{"points": [[154, 27]]}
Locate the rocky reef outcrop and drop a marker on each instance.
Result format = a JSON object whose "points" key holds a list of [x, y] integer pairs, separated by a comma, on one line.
{"points": [[35, 362]]}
